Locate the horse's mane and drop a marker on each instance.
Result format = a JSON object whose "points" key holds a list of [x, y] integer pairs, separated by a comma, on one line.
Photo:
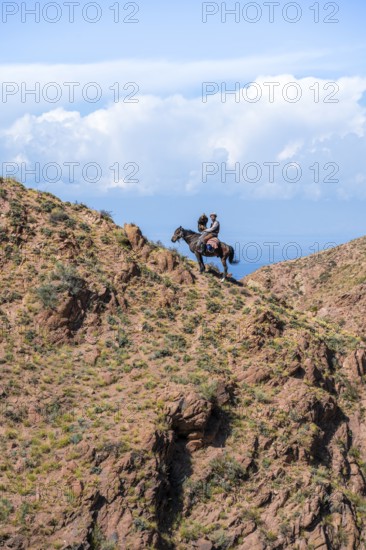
{"points": [[190, 232]]}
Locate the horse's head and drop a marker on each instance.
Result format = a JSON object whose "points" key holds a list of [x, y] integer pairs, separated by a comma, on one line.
{"points": [[178, 234]]}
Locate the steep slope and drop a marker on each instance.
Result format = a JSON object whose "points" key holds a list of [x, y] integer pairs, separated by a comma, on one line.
{"points": [[331, 285], [144, 406]]}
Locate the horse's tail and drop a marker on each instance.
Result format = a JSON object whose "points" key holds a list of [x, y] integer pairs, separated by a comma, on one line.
{"points": [[232, 259]]}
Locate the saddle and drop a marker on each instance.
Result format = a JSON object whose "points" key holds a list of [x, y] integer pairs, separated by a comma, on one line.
{"points": [[213, 242]]}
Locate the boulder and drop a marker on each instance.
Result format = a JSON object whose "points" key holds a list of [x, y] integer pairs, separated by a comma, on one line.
{"points": [[135, 236]]}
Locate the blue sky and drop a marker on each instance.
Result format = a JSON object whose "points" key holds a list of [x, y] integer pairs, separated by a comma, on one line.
{"points": [[169, 133], [174, 31]]}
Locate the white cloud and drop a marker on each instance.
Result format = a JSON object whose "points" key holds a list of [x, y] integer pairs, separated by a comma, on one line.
{"points": [[170, 138], [67, 84], [290, 150]]}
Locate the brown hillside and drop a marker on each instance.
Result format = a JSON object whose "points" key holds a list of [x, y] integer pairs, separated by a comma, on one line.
{"points": [[145, 406], [330, 285]]}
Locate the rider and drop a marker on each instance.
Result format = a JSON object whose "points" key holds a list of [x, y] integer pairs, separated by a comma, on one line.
{"points": [[210, 232]]}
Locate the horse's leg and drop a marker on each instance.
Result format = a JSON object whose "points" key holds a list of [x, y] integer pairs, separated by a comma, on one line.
{"points": [[200, 262], [223, 255], [224, 263]]}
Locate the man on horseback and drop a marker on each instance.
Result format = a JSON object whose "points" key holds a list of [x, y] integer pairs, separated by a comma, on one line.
{"points": [[209, 233], [224, 251]]}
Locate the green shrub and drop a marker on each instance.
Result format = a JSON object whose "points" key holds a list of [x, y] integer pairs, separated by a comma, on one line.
{"points": [[85, 227], [106, 215], [9, 296], [71, 223], [161, 353], [6, 508], [48, 206], [70, 280], [75, 438], [122, 339], [122, 239], [58, 215], [350, 392], [3, 235], [48, 295], [191, 530], [208, 390], [213, 306], [176, 341], [16, 214], [198, 491], [99, 542], [139, 364], [141, 524], [46, 231], [221, 539], [29, 336], [227, 472], [63, 234]]}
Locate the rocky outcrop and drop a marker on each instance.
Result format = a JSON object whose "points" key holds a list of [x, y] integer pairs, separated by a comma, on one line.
{"points": [[196, 419], [189, 417], [135, 236], [355, 364], [160, 260], [109, 516], [71, 314], [127, 271]]}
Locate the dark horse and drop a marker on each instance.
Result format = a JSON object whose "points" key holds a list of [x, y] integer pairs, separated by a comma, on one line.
{"points": [[224, 251]]}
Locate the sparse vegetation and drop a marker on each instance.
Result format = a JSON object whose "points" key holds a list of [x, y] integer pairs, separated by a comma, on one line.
{"points": [[193, 408], [58, 215], [106, 215], [48, 295]]}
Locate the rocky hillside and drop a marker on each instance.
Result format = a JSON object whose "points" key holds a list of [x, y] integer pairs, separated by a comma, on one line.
{"points": [[145, 406], [330, 285]]}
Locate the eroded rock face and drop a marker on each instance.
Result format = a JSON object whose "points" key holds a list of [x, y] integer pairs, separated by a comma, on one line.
{"points": [[183, 276], [135, 236], [107, 514], [165, 261], [188, 417], [67, 318], [73, 312], [197, 419], [127, 271], [161, 261], [356, 364], [256, 375], [266, 325]]}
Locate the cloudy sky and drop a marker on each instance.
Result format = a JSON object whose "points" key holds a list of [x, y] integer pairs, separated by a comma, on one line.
{"points": [[159, 111]]}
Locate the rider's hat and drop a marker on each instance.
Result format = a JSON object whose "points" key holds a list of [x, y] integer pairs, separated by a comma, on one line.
{"points": [[213, 214]]}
